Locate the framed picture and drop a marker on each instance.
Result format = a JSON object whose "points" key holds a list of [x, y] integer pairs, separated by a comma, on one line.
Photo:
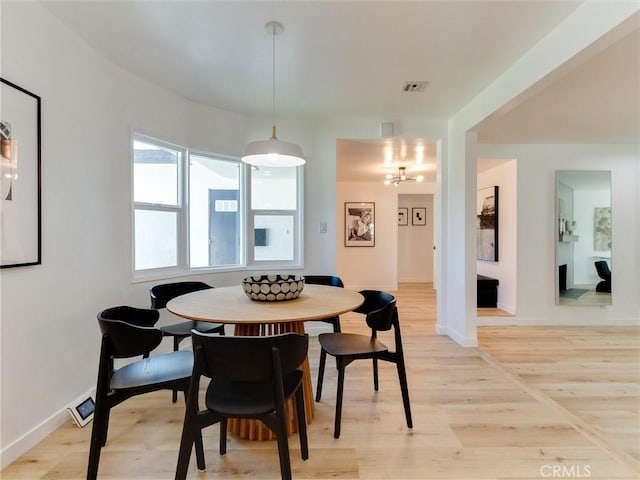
{"points": [[20, 220], [359, 221], [487, 224], [418, 216], [602, 229], [403, 216]]}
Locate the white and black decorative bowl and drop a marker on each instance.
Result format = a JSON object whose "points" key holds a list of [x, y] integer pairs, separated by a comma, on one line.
{"points": [[273, 288]]}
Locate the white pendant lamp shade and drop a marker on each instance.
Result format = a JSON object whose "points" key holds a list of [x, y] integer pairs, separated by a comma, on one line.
{"points": [[273, 152]]}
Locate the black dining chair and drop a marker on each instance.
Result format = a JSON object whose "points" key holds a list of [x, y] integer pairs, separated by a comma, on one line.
{"points": [[602, 267], [332, 281], [249, 377], [161, 294], [129, 332], [381, 315]]}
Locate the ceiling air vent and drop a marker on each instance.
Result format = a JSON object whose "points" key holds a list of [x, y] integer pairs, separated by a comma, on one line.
{"points": [[415, 87]]}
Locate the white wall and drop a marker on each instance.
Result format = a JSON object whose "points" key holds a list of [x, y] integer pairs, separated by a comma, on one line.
{"points": [[415, 242], [50, 339], [369, 267], [530, 73], [374, 267], [504, 176], [537, 224], [89, 110]]}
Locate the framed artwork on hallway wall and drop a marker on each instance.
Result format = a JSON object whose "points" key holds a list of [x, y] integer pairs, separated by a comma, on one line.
{"points": [[418, 216], [403, 216], [359, 222], [20, 219], [487, 224]]}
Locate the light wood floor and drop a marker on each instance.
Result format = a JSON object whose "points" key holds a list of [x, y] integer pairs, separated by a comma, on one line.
{"points": [[532, 403]]}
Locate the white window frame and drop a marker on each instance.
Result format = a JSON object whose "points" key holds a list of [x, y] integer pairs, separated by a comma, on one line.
{"points": [[242, 208], [181, 266], [298, 226], [248, 262]]}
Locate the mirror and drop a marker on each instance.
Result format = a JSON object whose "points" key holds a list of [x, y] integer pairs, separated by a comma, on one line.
{"points": [[583, 237]]}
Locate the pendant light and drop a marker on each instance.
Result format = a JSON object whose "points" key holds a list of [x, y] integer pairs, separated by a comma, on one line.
{"points": [[273, 152]]}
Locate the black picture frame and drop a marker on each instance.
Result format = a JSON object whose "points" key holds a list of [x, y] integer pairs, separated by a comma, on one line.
{"points": [[359, 223], [419, 216], [21, 197], [403, 216], [487, 224]]}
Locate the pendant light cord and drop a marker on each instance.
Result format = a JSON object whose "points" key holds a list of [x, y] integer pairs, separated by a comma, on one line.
{"points": [[273, 85]]}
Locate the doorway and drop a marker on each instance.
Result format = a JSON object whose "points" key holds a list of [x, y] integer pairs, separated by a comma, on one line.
{"points": [[415, 238]]}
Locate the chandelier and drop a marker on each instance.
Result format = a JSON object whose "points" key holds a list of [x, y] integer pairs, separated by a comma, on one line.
{"points": [[273, 152], [401, 177]]}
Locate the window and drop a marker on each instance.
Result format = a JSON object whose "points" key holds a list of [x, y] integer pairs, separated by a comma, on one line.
{"points": [[215, 219], [274, 215], [190, 212], [157, 216]]}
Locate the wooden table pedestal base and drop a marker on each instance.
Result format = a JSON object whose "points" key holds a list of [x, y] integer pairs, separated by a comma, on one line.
{"points": [[255, 429]]}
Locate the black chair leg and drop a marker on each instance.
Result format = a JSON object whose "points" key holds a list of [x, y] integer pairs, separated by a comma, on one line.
{"points": [[323, 359], [105, 426], [197, 440], [375, 374], [302, 424], [336, 428], [98, 436], [184, 453], [283, 448], [223, 436], [404, 388], [176, 347]]}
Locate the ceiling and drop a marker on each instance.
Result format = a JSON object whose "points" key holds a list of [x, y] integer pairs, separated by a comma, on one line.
{"points": [[351, 59]]}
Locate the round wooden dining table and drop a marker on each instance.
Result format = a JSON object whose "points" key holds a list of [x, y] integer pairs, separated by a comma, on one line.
{"points": [[231, 305]]}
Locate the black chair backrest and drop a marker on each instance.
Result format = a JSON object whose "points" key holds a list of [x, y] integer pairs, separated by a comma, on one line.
{"points": [[374, 300], [383, 312], [130, 330], [329, 280], [161, 294], [602, 267], [247, 358]]}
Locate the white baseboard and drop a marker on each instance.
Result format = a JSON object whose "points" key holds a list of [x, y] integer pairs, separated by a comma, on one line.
{"points": [[34, 436], [29, 440], [547, 322], [462, 340], [507, 308]]}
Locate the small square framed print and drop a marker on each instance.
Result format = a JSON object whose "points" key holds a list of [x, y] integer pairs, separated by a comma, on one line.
{"points": [[403, 216], [418, 216]]}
